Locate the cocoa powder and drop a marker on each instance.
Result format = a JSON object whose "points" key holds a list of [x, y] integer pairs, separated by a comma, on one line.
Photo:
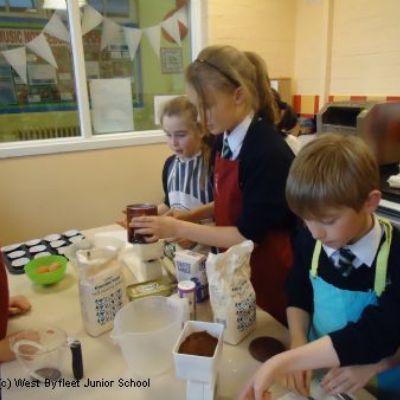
{"points": [[199, 344]]}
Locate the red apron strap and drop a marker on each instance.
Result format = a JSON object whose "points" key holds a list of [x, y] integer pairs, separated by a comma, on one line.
{"points": [[3, 299]]}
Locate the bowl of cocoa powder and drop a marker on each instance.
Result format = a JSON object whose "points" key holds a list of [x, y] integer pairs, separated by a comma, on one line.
{"points": [[198, 351]]}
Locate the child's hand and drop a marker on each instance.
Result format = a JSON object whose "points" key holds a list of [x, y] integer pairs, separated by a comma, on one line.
{"points": [[348, 379], [18, 305], [155, 227], [298, 382], [257, 388]]}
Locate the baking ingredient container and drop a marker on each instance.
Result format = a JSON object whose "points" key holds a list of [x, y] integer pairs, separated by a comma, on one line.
{"points": [[146, 330]]}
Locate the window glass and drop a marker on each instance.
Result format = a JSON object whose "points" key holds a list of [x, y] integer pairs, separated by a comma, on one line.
{"points": [[155, 70], [21, 3], [97, 4], [135, 52], [117, 7], [37, 98]]}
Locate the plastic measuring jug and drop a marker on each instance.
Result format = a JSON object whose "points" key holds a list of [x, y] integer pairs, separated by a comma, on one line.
{"points": [[146, 331], [41, 352]]}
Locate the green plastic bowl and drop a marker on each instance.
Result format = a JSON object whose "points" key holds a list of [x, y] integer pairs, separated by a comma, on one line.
{"points": [[46, 278]]}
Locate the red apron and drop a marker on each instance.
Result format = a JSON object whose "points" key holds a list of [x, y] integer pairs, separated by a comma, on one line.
{"points": [[272, 258], [3, 299]]}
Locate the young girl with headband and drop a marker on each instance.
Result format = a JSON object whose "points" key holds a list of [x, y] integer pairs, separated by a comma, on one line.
{"points": [[232, 93]]}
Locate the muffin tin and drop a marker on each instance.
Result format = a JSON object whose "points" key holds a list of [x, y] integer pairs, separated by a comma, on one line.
{"points": [[17, 255]]}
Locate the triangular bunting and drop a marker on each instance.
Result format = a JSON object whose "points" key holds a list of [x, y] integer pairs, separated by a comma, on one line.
{"points": [[90, 19], [110, 34], [172, 28], [55, 27], [153, 35], [40, 47], [182, 15], [132, 38], [17, 59]]}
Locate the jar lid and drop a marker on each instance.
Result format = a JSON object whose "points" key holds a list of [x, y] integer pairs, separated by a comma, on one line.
{"points": [[20, 262], [16, 254], [52, 237], [57, 243], [11, 247], [37, 249], [186, 286], [32, 242]]}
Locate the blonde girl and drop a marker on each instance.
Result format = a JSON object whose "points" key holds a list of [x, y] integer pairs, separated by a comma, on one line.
{"points": [[186, 174], [231, 91]]}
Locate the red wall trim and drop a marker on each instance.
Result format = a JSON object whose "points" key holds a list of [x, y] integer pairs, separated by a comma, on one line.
{"points": [[297, 103], [358, 98]]}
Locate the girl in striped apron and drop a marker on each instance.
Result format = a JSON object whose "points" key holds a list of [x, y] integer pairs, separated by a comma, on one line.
{"points": [[186, 175]]}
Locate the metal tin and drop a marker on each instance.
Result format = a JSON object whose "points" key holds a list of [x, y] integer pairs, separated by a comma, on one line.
{"points": [[187, 290], [138, 210], [156, 287]]}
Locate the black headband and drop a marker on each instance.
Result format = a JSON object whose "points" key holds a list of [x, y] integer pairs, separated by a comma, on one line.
{"points": [[223, 73]]}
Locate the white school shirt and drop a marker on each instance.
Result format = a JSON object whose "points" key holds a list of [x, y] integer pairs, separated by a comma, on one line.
{"points": [[364, 249], [236, 136]]}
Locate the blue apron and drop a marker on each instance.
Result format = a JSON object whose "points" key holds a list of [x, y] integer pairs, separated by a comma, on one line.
{"points": [[334, 308]]}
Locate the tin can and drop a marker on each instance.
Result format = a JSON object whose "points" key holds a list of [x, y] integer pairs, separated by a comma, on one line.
{"points": [[138, 210], [187, 290]]}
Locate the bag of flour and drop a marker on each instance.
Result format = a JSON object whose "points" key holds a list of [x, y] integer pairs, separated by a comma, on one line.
{"points": [[101, 288], [232, 296]]}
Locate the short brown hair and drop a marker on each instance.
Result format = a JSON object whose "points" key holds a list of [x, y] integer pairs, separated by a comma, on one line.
{"points": [[334, 170]]}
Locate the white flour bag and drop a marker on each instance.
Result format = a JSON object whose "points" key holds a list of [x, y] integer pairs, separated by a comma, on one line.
{"points": [[232, 296], [101, 288]]}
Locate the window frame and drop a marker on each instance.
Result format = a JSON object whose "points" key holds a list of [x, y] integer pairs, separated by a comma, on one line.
{"points": [[87, 140]]}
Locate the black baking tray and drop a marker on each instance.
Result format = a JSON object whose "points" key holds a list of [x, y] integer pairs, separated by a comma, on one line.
{"points": [[29, 252]]}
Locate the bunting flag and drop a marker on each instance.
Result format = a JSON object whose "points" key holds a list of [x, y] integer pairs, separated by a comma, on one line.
{"points": [[90, 19], [55, 27], [153, 35], [132, 38], [17, 59], [110, 34], [40, 47], [181, 15], [171, 26]]}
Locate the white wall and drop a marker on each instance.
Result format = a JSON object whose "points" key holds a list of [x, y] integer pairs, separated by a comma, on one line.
{"points": [[264, 26], [366, 47], [363, 44]]}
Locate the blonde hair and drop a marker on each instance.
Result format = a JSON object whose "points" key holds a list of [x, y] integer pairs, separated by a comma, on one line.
{"points": [[334, 170], [226, 68], [180, 106]]}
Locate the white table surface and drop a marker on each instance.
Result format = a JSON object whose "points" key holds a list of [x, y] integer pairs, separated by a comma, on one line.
{"points": [[58, 305]]}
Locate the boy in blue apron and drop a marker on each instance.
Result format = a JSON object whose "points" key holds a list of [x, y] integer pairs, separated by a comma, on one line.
{"points": [[344, 287]]}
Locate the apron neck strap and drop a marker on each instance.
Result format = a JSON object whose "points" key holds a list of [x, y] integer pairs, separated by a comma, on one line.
{"points": [[383, 256], [315, 258], [381, 260]]}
